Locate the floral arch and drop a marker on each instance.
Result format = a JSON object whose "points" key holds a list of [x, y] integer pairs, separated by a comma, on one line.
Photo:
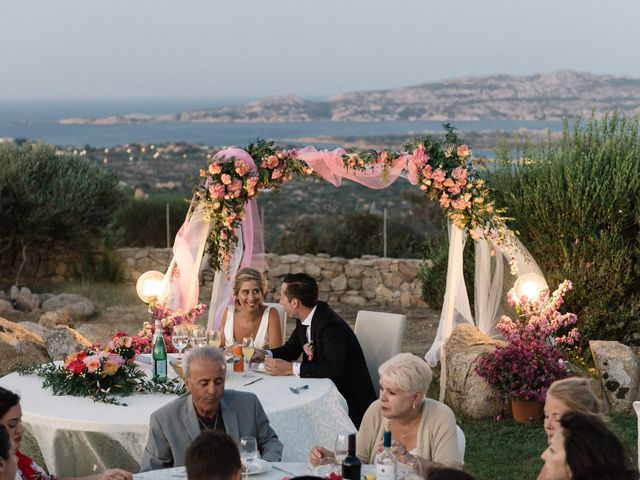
{"points": [[223, 220]]}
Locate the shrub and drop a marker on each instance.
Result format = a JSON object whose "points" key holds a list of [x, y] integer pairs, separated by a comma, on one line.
{"points": [[142, 222], [575, 204], [47, 198]]}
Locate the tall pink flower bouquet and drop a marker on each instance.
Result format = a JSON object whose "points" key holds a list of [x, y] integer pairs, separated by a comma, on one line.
{"points": [[532, 358], [168, 319]]}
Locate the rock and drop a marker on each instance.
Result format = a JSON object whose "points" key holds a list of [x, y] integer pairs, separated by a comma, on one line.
{"points": [[383, 294], [55, 318], [6, 306], [78, 307], [405, 298], [27, 301], [62, 341], [295, 259], [313, 270], [391, 280], [14, 291], [4, 296], [409, 270], [19, 346], [353, 270], [354, 283], [617, 367], [351, 299], [466, 391], [339, 283], [35, 328], [280, 270]]}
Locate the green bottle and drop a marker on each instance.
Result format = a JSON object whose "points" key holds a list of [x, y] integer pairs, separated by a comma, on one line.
{"points": [[159, 355]]}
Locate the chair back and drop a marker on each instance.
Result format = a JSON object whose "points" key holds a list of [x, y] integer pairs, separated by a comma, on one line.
{"points": [[380, 336], [636, 407], [462, 441], [283, 318]]}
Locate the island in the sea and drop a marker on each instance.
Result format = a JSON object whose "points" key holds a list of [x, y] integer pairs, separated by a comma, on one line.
{"points": [[551, 96]]}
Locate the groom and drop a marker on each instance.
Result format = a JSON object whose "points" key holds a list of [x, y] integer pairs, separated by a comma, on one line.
{"points": [[328, 346]]}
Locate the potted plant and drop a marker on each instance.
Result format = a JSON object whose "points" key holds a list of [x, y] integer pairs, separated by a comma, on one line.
{"points": [[532, 358]]}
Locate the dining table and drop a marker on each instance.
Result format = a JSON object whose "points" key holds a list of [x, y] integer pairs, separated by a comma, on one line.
{"points": [[274, 471], [77, 436]]}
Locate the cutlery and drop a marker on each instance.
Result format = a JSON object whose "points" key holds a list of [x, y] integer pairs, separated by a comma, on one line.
{"points": [[253, 381], [291, 474], [297, 389]]}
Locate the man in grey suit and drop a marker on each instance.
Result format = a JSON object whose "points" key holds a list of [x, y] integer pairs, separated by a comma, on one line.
{"points": [[207, 406]]}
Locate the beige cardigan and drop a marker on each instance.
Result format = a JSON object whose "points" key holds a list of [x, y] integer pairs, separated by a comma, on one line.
{"points": [[437, 436]]}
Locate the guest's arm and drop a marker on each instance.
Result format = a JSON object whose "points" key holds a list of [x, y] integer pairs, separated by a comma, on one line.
{"points": [[157, 454], [268, 444]]}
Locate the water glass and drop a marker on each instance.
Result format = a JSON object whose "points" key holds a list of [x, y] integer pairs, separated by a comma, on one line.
{"points": [[248, 452], [180, 339], [214, 337], [198, 336], [341, 449]]}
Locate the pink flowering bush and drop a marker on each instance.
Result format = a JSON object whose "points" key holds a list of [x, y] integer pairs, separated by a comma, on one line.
{"points": [[532, 358]]}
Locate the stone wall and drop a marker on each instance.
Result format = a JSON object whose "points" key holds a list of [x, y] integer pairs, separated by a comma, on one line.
{"points": [[355, 281]]}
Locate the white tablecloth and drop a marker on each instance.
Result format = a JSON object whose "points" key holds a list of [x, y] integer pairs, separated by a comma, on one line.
{"points": [[78, 436], [278, 471]]}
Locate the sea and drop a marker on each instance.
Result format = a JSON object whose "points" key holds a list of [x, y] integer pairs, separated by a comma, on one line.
{"points": [[38, 121]]}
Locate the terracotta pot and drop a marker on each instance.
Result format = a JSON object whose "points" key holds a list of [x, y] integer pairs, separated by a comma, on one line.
{"points": [[526, 411]]}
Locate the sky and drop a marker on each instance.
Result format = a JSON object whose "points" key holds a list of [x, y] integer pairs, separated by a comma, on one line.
{"points": [[79, 49]]}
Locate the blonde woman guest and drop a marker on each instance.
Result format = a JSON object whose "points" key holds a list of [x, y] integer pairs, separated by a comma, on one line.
{"points": [[422, 429], [248, 316], [571, 394]]}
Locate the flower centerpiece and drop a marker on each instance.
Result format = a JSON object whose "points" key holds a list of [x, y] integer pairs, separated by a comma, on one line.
{"points": [[169, 318], [102, 374], [532, 357]]}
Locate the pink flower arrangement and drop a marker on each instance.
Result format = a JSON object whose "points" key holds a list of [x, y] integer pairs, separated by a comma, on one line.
{"points": [[168, 319], [532, 358]]}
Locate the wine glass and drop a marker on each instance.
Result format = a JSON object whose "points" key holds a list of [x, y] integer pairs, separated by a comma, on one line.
{"points": [[341, 449], [248, 349], [198, 336], [214, 337], [180, 339], [413, 469], [248, 452]]}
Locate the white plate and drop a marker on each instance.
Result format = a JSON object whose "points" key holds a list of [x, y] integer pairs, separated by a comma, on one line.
{"points": [[258, 367], [259, 466]]}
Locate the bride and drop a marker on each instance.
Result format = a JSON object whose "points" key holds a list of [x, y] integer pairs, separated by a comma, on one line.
{"points": [[248, 316]]}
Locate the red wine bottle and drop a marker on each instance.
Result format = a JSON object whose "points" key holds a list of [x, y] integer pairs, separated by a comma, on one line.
{"points": [[351, 465]]}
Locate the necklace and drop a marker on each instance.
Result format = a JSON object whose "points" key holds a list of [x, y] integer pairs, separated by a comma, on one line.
{"points": [[204, 425]]}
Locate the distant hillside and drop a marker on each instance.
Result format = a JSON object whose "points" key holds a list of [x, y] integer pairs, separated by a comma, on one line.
{"points": [[550, 96]]}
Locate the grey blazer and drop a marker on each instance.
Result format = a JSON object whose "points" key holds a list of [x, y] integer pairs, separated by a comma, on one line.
{"points": [[173, 427]]}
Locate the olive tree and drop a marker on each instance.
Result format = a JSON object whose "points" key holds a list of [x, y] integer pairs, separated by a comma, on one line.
{"points": [[47, 198]]}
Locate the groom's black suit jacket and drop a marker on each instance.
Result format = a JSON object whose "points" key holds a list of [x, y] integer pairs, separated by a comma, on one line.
{"points": [[336, 355]]}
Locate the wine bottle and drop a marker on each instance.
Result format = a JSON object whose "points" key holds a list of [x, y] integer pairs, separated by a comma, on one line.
{"points": [[351, 465], [386, 463], [159, 355]]}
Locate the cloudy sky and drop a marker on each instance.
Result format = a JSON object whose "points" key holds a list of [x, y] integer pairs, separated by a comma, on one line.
{"points": [[252, 48]]}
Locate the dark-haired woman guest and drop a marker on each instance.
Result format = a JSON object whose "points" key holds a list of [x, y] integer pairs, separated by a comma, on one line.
{"points": [[585, 449], [11, 418], [8, 460]]}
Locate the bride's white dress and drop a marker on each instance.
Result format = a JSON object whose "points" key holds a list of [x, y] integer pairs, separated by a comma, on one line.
{"points": [[262, 335]]}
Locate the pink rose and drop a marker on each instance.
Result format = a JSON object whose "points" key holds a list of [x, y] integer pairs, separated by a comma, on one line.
{"points": [[217, 191], [272, 161], [276, 174], [225, 178], [439, 176], [420, 156], [462, 151], [459, 173], [241, 167], [92, 363], [214, 169], [444, 200]]}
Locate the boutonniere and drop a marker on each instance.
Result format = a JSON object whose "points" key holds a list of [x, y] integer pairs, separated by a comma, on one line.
{"points": [[308, 349]]}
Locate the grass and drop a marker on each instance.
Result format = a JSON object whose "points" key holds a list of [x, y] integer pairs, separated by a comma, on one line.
{"points": [[507, 450], [102, 294]]}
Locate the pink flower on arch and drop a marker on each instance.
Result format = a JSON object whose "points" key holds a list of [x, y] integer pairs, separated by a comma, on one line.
{"points": [[276, 174], [459, 173], [225, 178], [217, 191], [463, 151], [214, 168]]}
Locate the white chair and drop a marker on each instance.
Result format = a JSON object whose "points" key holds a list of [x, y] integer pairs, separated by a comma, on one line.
{"points": [[380, 336], [462, 441], [636, 407], [283, 318]]}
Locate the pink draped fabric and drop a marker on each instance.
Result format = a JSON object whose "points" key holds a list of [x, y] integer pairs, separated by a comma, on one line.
{"points": [[330, 166], [251, 249]]}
